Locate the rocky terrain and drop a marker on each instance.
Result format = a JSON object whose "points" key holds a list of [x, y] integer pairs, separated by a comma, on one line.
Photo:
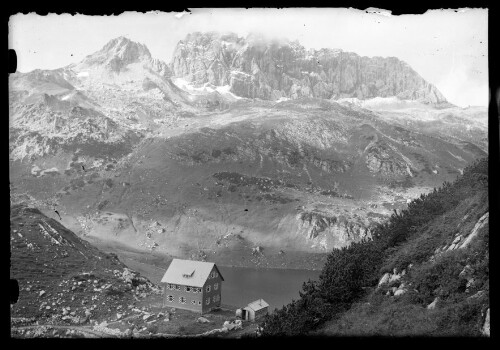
{"points": [[424, 273], [440, 275], [177, 160], [255, 67], [70, 289]]}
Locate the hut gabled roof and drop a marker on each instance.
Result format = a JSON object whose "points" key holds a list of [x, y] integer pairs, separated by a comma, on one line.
{"points": [[189, 272]]}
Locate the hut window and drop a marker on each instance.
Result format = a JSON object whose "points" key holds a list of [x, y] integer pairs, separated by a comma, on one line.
{"points": [[207, 301], [214, 298], [216, 286], [208, 288], [199, 302], [216, 274], [182, 300], [170, 298], [178, 287], [193, 302], [188, 289]]}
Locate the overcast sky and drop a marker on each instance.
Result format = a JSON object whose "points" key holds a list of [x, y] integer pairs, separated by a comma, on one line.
{"points": [[447, 48]]}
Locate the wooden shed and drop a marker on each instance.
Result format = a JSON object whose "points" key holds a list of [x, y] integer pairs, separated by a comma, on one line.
{"points": [[255, 310]]}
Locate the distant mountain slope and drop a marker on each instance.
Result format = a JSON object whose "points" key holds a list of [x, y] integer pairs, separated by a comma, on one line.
{"points": [[102, 106], [118, 143], [426, 272], [272, 69]]}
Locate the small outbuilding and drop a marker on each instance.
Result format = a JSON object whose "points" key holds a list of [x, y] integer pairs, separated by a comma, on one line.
{"points": [[254, 310]]}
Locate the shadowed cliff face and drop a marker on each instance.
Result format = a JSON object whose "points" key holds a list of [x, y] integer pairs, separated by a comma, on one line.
{"points": [[255, 68]]}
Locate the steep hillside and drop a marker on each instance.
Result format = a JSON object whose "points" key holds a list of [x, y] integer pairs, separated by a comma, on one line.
{"points": [[64, 280], [254, 67], [426, 272]]}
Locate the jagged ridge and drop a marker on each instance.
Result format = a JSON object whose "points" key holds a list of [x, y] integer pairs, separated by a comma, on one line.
{"points": [[272, 69]]}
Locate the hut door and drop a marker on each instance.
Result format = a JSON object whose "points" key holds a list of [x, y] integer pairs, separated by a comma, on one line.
{"points": [[244, 314]]}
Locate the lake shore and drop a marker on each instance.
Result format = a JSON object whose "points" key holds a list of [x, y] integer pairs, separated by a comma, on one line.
{"points": [[242, 285], [268, 259]]}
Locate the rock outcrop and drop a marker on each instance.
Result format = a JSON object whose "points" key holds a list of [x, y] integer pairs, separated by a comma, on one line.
{"points": [[330, 231], [486, 326], [255, 67]]}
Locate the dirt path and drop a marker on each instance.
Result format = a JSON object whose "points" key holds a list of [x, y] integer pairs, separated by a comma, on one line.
{"points": [[83, 329], [91, 333]]}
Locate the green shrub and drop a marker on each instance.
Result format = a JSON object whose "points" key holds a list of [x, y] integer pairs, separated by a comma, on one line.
{"points": [[403, 239]]}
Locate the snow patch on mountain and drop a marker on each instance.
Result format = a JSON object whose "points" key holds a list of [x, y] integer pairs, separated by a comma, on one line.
{"points": [[205, 88]]}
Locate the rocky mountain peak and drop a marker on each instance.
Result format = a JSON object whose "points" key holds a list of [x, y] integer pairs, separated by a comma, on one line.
{"points": [[270, 69], [126, 49], [118, 53]]}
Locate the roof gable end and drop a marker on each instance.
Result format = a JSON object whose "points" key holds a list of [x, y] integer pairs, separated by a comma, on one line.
{"points": [[188, 272]]}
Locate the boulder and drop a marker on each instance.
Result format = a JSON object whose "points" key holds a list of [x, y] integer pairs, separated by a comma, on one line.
{"points": [[229, 326], [42, 292], [432, 305], [202, 320], [384, 279], [470, 283], [238, 324], [394, 277], [486, 326], [128, 275], [399, 292]]}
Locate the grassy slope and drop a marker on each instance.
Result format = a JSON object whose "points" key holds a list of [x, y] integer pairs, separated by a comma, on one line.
{"points": [[457, 312], [67, 274], [414, 241]]}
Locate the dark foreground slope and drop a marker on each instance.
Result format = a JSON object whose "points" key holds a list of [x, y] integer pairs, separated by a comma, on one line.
{"points": [[426, 272], [63, 280]]}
